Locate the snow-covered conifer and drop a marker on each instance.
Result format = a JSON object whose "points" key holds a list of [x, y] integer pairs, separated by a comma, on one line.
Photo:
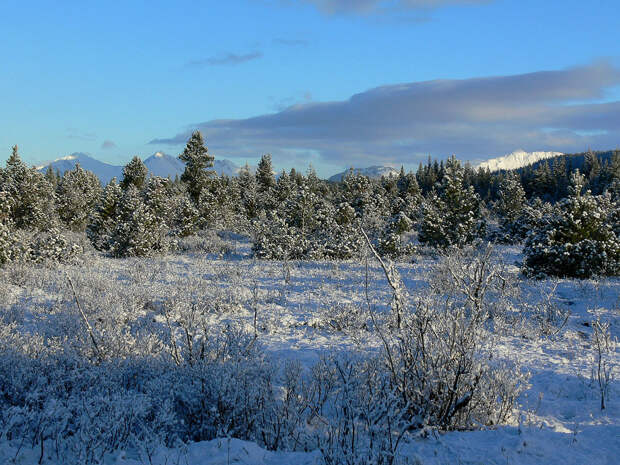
{"points": [[103, 219], [197, 160], [31, 195], [77, 194], [577, 239], [135, 173], [451, 214], [510, 206], [138, 232]]}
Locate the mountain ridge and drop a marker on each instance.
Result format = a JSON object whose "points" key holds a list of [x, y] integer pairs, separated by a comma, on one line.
{"points": [[517, 159], [158, 164]]}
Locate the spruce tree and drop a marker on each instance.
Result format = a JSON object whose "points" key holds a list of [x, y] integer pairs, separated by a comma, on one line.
{"points": [[197, 160], [134, 173], [138, 232], [77, 194], [577, 238], [265, 176], [103, 219], [31, 195], [451, 214], [248, 189], [510, 206]]}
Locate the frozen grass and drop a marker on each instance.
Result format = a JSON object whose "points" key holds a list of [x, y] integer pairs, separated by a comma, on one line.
{"points": [[304, 313]]}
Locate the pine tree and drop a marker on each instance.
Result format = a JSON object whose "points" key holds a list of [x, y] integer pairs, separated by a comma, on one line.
{"points": [[187, 217], [7, 238], [577, 239], [510, 206], [31, 195], [138, 232], [265, 176], [103, 219], [451, 214], [158, 197], [197, 160], [284, 187], [51, 177], [77, 194], [134, 173], [248, 189]]}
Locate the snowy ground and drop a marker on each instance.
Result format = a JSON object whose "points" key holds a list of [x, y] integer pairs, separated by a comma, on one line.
{"points": [[307, 309]]}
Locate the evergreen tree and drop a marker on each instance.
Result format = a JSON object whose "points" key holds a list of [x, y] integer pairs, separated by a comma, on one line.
{"points": [[103, 219], [134, 173], [77, 194], [158, 198], [138, 232], [451, 214], [577, 239], [248, 189], [284, 187], [510, 206], [197, 160], [31, 196], [265, 176], [52, 178], [7, 237]]}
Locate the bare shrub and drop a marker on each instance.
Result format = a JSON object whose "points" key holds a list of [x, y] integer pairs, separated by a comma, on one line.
{"points": [[440, 360], [603, 368]]}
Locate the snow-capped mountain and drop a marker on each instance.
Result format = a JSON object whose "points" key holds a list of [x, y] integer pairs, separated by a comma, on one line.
{"points": [[158, 164], [161, 164], [104, 171], [517, 159], [226, 167], [374, 172]]}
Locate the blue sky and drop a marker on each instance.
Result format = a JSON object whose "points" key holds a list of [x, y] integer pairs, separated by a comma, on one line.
{"points": [[331, 82]]}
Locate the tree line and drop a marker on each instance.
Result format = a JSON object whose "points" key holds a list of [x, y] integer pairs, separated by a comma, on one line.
{"points": [[567, 218]]}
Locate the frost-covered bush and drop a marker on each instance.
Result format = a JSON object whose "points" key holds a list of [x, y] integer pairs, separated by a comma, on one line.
{"points": [[440, 355], [577, 239], [7, 242], [206, 241], [41, 247], [52, 246]]}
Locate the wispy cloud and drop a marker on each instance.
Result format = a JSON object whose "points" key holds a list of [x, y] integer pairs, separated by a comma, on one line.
{"points": [[108, 145], [375, 6], [227, 59], [473, 118], [290, 42], [75, 133]]}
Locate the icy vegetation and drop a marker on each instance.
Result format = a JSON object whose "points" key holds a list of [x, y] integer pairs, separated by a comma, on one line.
{"points": [[443, 316], [219, 358]]}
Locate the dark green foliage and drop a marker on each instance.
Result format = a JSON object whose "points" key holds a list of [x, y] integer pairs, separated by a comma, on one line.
{"points": [[265, 176], [197, 160], [77, 192], [578, 238], [31, 196], [103, 219], [451, 214], [134, 173], [509, 207]]}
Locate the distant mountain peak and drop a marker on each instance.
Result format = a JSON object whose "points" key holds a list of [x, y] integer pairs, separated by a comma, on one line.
{"points": [[373, 172], [158, 164], [517, 159]]}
